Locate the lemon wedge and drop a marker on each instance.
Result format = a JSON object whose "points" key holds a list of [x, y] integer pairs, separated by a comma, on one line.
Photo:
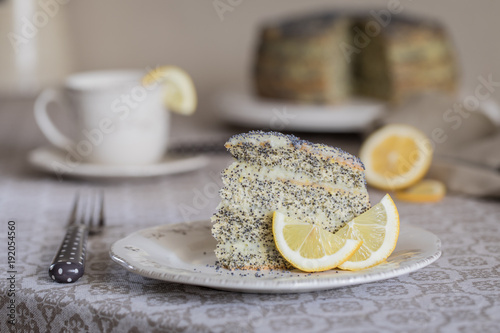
{"points": [[180, 93], [378, 229], [396, 156], [427, 190], [308, 247]]}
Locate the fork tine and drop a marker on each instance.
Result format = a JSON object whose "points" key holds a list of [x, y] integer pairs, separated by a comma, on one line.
{"points": [[101, 211], [72, 217], [95, 206], [91, 210]]}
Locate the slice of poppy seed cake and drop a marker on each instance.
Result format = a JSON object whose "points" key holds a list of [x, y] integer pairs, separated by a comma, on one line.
{"points": [[310, 182]]}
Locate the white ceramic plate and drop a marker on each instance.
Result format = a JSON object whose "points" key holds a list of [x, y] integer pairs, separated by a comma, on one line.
{"points": [[245, 109], [184, 253], [54, 161]]}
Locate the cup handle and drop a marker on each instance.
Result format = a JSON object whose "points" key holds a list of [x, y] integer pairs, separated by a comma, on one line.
{"points": [[45, 123]]}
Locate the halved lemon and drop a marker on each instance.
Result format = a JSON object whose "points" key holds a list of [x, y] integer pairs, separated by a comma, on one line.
{"points": [[427, 190], [396, 156], [308, 247], [378, 228], [180, 93]]}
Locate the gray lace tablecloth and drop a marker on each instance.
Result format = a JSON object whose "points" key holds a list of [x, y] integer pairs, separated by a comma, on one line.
{"points": [[458, 293]]}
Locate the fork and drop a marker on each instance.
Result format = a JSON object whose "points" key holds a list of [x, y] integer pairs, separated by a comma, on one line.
{"points": [[87, 217]]}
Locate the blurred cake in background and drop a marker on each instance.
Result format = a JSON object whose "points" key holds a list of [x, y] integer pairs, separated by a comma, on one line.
{"points": [[409, 56], [300, 60], [327, 58]]}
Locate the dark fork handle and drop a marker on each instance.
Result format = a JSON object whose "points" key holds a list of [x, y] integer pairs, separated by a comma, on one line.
{"points": [[69, 263]]}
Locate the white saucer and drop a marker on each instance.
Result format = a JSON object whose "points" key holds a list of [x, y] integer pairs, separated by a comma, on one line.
{"points": [[246, 109], [184, 253], [54, 161]]}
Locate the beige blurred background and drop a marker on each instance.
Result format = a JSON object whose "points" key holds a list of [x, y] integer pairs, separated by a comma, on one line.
{"points": [[218, 53], [217, 49]]}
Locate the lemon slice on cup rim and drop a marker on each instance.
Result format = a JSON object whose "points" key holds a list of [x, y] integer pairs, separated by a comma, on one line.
{"points": [[180, 92]]}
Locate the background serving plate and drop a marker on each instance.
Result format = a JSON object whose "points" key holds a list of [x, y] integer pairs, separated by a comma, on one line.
{"points": [[184, 253], [245, 109]]}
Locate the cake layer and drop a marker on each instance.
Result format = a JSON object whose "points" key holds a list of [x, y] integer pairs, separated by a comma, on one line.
{"points": [[257, 191], [320, 163]]}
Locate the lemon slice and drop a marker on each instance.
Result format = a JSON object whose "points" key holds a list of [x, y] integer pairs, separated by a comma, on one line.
{"points": [[309, 247], [427, 190], [396, 156], [378, 228], [180, 93]]}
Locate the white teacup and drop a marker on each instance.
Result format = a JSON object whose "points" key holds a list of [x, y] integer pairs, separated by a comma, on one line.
{"points": [[119, 121]]}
